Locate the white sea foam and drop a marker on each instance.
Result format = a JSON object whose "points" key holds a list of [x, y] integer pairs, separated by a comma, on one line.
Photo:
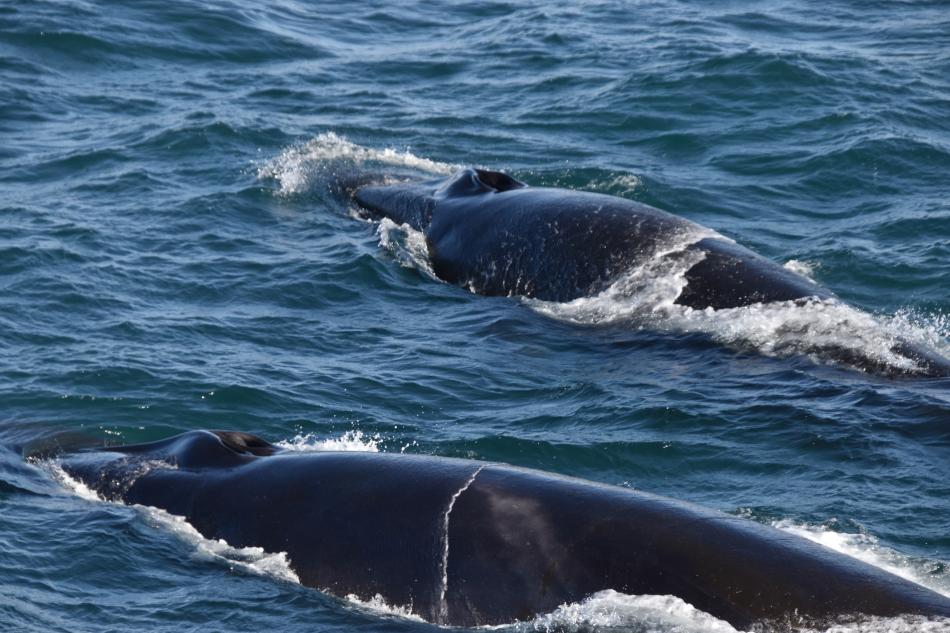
{"points": [[299, 167], [624, 183], [645, 294], [645, 297], [250, 559], [866, 548], [612, 610], [903, 624], [805, 269], [931, 331], [79, 488], [354, 440], [378, 605], [407, 245]]}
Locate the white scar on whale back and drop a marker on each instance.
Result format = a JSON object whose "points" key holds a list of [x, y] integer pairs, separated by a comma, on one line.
{"points": [[443, 607]]}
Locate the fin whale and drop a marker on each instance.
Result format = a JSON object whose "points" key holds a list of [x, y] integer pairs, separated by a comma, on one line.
{"points": [[498, 236], [468, 543]]}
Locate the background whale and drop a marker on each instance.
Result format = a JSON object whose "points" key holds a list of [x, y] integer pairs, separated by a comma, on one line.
{"points": [[495, 235], [462, 542]]}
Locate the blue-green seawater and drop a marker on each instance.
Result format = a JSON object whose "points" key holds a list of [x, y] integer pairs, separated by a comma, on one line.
{"points": [[170, 259]]}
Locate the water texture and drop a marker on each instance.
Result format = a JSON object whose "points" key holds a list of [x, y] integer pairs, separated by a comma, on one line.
{"points": [[171, 259]]}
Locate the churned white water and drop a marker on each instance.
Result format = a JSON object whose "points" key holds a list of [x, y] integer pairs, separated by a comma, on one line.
{"points": [[298, 168], [249, 559], [610, 610], [354, 440], [378, 606], [407, 245], [645, 298], [866, 547]]}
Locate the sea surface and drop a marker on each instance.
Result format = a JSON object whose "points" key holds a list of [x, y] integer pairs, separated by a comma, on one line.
{"points": [[171, 258]]}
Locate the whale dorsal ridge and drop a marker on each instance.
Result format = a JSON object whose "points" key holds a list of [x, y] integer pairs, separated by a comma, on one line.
{"points": [[245, 443], [470, 182], [499, 181]]}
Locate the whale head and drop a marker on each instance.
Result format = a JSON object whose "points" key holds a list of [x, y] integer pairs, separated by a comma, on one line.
{"points": [[412, 203]]}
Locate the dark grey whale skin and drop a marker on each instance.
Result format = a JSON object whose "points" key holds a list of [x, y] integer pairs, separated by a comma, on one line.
{"points": [[517, 542], [497, 236]]}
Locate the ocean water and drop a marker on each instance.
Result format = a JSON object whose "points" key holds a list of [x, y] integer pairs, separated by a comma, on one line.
{"points": [[171, 259]]}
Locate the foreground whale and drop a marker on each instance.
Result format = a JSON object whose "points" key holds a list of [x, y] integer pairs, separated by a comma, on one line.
{"points": [[471, 543], [497, 236]]}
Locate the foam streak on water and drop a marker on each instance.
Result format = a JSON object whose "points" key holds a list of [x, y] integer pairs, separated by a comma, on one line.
{"points": [[644, 298], [866, 548], [378, 606], [250, 559]]}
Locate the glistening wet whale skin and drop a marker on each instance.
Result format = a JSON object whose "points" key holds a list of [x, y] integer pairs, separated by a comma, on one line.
{"points": [[497, 236], [472, 543]]}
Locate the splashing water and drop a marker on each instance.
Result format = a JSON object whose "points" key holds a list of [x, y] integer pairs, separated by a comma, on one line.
{"points": [[866, 548], [646, 295], [302, 167], [377, 605], [350, 441], [251, 559], [805, 269], [610, 609], [624, 183], [407, 245]]}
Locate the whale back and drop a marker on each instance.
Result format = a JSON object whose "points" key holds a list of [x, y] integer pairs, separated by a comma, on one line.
{"points": [[461, 542], [472, 182], [349, 523], [548, 244], [555, 540], [403, 203]]}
